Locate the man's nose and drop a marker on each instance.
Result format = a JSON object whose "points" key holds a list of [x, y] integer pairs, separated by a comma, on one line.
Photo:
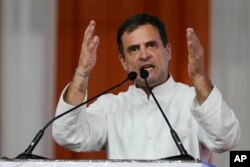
{"points": [[144, 55]]}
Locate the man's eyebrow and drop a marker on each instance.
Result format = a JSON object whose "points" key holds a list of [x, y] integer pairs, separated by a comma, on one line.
{"points": [[131, 47], [137, 46], [152, 42]]}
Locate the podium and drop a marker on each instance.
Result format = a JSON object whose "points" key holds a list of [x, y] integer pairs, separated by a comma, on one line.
{"points": [[108, 163]]}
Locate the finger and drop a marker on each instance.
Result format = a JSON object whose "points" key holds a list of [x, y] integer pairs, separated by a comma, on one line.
{"points": [[191, 36], [89, 32], [88, 28], [94, 44], [193, 42]]}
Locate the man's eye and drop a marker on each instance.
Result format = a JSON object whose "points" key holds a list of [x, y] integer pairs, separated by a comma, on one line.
{"points": [[133, 49], [151, 45]]}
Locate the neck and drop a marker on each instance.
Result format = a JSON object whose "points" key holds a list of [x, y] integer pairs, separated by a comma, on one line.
{"points": [[145, 89]]}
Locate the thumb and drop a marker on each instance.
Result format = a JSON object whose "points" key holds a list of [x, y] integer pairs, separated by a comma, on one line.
{"points": [[95, 43]]}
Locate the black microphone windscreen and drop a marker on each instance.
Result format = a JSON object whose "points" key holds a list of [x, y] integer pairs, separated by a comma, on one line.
{"points": [[144, 73], [132, 75]]}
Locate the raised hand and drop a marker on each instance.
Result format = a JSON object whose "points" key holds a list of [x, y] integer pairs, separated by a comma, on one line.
{"points": [[77, 89], [195, 56], [196, 67], [90, 44]]}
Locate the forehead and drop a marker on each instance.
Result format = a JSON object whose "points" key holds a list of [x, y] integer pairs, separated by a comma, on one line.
{"points": [[141, 34]]}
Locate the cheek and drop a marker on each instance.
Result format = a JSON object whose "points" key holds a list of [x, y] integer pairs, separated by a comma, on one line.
{"points": [[126, 66], [166, 57], [131, 64], [164, 61]]}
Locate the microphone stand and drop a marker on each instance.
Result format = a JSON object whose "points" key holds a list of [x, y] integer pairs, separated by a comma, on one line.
{"points": [[27, 154], [183, 153]]}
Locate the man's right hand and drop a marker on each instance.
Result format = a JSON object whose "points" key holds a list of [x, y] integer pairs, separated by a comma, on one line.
{"points": [[90, 44], [77, 89]]}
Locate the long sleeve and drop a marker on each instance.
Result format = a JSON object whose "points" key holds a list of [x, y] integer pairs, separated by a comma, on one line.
{"points": [[78, 130], [131, 127], [218, 127]]}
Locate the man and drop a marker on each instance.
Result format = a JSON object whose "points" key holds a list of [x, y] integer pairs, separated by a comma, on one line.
{"points": [[129, 124]]}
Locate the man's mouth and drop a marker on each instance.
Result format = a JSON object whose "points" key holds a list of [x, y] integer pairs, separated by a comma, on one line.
{"points": [[147, 67]]}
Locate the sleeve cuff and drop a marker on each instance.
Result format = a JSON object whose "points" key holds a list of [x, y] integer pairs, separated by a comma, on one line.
{"points": [[209, 105], [64, 106]]}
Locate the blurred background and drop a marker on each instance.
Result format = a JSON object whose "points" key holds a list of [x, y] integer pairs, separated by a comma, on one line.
{"points": [[40, 43]]}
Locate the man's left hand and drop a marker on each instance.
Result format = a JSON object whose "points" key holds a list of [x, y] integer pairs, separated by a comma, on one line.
{"points": [[196, 67]]}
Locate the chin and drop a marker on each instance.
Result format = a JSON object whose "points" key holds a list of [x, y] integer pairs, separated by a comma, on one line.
{"points": [[152, 82]]}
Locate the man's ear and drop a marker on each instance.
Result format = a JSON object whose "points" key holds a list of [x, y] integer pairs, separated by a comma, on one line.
{"points": [[122, 60], [168, 49]]}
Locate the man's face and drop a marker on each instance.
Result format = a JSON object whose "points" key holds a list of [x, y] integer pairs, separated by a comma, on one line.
{"points": [[143, 48]]}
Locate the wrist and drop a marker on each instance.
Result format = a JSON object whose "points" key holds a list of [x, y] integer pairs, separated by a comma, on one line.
{"points": [[80, 80], [203, 87], [84, 74]]}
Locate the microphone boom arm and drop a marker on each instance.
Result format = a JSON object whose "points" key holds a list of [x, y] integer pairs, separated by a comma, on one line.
{"points": [[184, 155], [172, 131], [27, 154]]}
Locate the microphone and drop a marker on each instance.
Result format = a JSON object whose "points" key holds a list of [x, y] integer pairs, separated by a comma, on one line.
{"points": [[183, 153], [27, 154]]}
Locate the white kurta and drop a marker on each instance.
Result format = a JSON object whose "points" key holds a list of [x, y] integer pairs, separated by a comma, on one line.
{"points": [[132, 127]]}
